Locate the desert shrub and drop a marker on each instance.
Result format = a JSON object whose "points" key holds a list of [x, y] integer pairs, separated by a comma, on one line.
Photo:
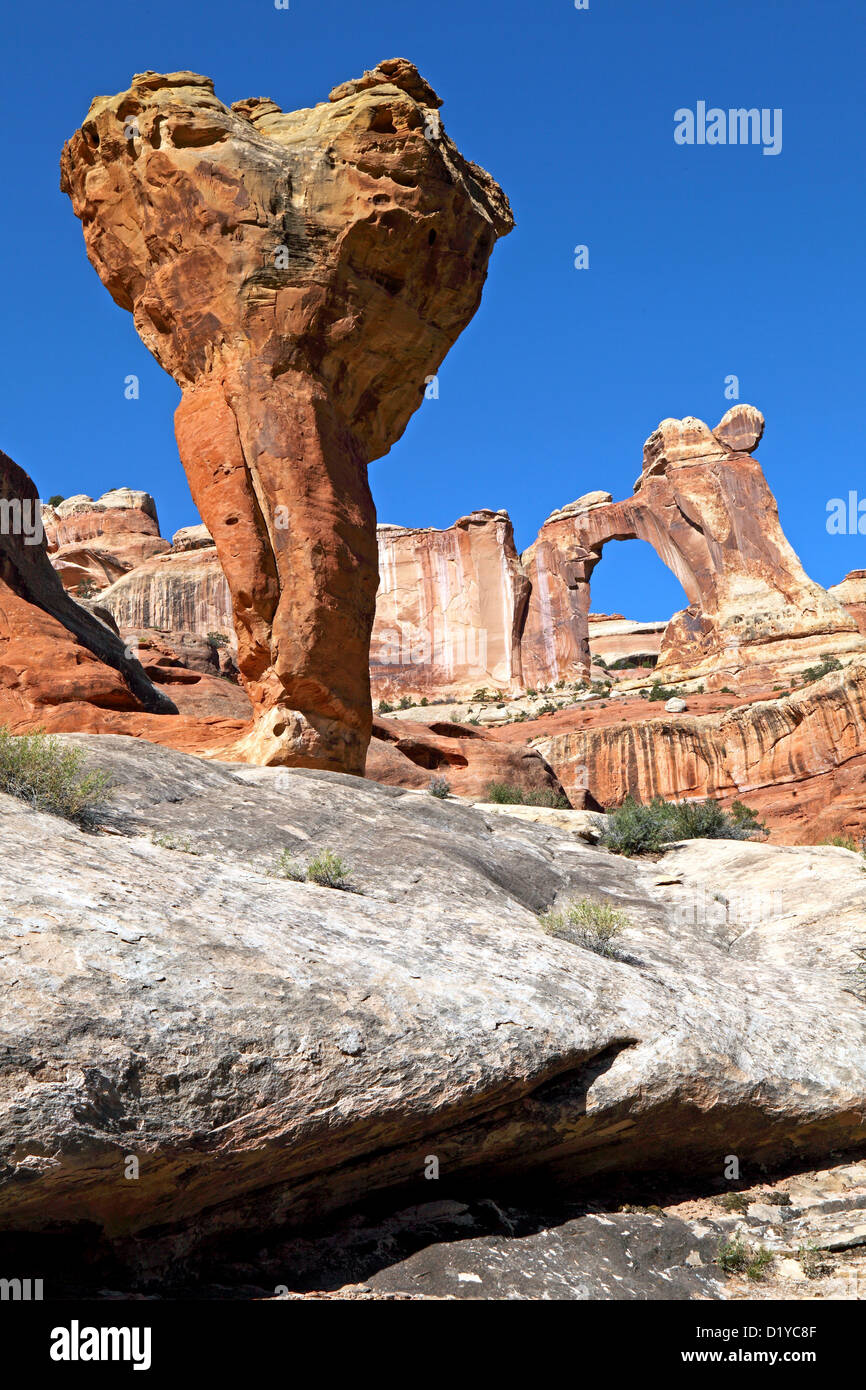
{"points": [[547, 708], [217, 639], [814, 673], [506, 794], [423, 700], [737, 1257], [86, 589], [383, 707], [182, 843], [51, 776], [843, 842], [734, 1201], [593, 925], [405, 702], [662, 692], [287, 867], [326, 869], [531, 692], [482, 693], [814, 1261], [636, 828], [631, 663], [439, 787], [56, 500]]}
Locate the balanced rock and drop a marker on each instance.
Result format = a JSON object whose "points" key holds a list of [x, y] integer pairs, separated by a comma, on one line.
{"points": [[300, 275]]}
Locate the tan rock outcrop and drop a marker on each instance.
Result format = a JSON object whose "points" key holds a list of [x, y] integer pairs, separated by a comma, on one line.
{"points": [[613, 637], [851, 593], [181, 591], [92, 543], [450, 609], [708, 511], [300, 275]]}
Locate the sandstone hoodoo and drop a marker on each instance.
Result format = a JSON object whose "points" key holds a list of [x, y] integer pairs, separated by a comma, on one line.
{"points": [[300, 275]]}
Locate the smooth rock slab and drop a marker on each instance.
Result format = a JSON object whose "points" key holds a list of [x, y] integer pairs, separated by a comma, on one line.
{"points": [[271, 1051]]}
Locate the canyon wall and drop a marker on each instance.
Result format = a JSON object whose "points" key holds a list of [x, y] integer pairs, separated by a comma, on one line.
{"points": [[800, 760], [450, 609], [299, 275], [92, 543]]}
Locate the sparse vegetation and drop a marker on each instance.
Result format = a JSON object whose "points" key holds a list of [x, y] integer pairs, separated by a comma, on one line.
{"points": [[181, 843], [383, 707], [405, 702], [326, 869], [439, 787], [51, 776], [217, 639], [588, 923], [86, 589], [633, 662], [662, 692], [734, 1201], [636, 828], [547, 708], [506, 794], [56, 500], [736, 1256], [814, 1262], [828, 664]]}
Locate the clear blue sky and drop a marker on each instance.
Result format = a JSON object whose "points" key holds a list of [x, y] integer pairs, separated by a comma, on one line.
{"points": [[704, 261]]}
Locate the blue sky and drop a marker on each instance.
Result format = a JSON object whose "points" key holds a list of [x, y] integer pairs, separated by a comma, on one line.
{"points": [[704, 261]]}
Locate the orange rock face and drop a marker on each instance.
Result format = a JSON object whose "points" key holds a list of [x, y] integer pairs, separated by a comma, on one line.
{"points": [[409, 755], [799, 759], [52, 651], [450, 609], [299, 275], [706, 508]]}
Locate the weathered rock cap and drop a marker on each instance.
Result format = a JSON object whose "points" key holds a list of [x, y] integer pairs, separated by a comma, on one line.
{"points": [[393, 72], [741, 429]]}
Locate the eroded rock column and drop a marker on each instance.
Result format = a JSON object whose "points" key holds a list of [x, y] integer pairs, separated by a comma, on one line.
{"points": [[300, 275]]}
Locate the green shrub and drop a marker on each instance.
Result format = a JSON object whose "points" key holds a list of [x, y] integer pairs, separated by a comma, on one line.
{"points": [[635, 828], [734, 1201], [326, 869], [86, 589], [56, 500], [736, 1257], [383, 707], [217, 639], [405, 702], [51, 776], [423, 700], [506, 794], [287, 867], [814, 673], [593, 925], [439, 787], [662, 692], [546, 708], [482, 693], [182, 843]]}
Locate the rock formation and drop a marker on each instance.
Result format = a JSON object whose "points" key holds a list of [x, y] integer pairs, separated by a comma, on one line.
{"points": [[291, 1050], [300, 275], [703, 503], [182, 590], [93, 543], [851, 593], [450, 609], [52, 650], [404, 754], [615, 638]]}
